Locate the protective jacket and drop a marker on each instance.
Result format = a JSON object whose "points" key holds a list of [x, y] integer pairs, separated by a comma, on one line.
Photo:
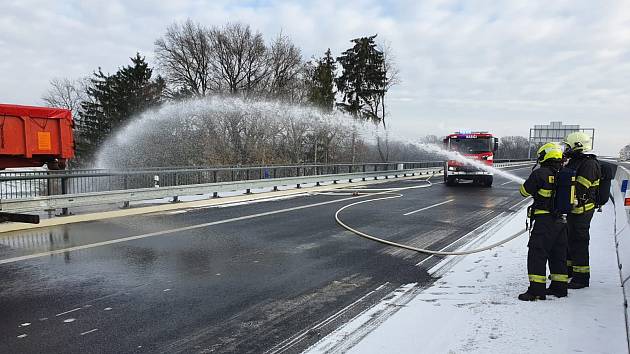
{"points": [[548, 238], [588, 175], [539, 185]]}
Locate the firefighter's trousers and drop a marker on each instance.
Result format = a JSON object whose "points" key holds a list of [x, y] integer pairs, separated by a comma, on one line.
{"points": [[579, 238], [547, 243]]}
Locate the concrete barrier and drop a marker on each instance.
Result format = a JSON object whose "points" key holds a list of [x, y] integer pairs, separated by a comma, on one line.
{"points": [[622, 233]]}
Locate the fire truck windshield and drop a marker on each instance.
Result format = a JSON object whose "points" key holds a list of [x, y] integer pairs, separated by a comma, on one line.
{"points": [[470, 145]]}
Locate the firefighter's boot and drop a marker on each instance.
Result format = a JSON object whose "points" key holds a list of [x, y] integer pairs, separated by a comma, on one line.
{"points": [[527, 296], [557, 291], [577, 285]]}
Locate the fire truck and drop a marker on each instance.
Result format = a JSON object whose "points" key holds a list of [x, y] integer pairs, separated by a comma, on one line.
{"points": [[477, 146]]}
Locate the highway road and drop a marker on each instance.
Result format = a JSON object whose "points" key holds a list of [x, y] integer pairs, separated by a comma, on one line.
{"points": [[271, 276]]}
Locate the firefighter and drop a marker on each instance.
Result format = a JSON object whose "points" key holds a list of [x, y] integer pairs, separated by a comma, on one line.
{"points": [[588, 175], [548, 238]]}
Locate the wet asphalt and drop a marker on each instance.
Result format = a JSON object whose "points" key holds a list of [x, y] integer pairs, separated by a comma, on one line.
{"points": [[244, 285]]}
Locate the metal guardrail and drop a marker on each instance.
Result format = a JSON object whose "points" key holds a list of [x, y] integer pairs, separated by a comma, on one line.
{"points": [[68, 200], [28, 184], [126, 196]]}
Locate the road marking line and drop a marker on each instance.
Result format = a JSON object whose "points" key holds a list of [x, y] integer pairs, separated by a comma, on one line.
{"points": [[289, 342], [428, 207], [90, 331], [170, 231], [67, 312], [6, 228], [494, 218], [503, 184]]}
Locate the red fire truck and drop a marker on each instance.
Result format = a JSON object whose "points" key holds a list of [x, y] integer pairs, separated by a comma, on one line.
{"points": [[477, 146]]}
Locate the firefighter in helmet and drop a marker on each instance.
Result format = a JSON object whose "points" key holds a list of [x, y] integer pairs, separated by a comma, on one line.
{"points": [[588, 175], [548, 238]]}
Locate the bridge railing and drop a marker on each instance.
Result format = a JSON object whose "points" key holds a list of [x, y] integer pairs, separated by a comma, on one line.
{"points": [[64, 189], [29, 184]]}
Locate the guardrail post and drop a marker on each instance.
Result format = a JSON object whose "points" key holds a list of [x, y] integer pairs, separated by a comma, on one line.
{"points": [[297, 172], [48, 186], [214, 176], [247, 174], [64, 190]]}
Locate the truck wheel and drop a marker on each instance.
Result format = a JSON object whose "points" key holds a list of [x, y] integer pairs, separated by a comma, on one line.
{"points": [[487, 182], [56, 165], [450, 181]]}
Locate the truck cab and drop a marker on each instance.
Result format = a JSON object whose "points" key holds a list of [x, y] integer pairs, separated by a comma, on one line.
{"points": [[478, 146]]}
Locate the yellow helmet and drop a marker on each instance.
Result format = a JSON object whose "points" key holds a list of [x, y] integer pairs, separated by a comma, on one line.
{"points": [[579, 141], [549, 151]]}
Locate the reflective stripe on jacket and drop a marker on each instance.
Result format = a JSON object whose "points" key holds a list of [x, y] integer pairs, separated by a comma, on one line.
{"points": [[540, 185], [588, 175]]}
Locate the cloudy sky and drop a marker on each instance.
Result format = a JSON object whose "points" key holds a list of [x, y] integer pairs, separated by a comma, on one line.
{"points": [[501, 66]]}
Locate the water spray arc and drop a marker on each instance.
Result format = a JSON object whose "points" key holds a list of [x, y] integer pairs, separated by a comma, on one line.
{"points": [[179, 129], [454, 155]]}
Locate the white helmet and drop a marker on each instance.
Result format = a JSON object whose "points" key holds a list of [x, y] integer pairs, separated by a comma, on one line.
{"points": [[579, 141]]}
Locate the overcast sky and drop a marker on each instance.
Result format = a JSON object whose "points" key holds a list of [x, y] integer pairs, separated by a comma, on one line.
{"points": [[501, 66]]}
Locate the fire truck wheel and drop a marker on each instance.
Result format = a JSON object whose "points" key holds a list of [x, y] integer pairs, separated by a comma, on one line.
{"points": [[450, 181], [487, 182]]}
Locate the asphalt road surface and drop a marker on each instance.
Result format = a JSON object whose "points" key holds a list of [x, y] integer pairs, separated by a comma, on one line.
{"points": [[272, 276]]}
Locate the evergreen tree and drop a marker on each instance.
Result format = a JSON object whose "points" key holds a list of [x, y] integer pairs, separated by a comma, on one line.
{"points": [[322, 89], [363, 81], [112, 101]]}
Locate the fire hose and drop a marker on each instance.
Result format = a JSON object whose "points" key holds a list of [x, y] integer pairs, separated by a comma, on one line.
{"points": [[391, 195]]}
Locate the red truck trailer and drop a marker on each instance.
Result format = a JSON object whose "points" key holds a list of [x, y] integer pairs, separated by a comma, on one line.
{"points": [[479, 146], [35, 136]]}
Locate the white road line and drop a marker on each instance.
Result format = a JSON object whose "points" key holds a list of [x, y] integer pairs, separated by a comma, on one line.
{"points": [[473, 231], [186, 228], [503, 184], [67, 312], [282, 346], [90, 331], [429, 207]]}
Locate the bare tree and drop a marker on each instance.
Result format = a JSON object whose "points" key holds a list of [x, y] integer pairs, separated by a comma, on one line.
{"points": [[183, 54], [66, 93], [392, 78], [238, 61], [285, 66], [392, 74], [513, 147]]}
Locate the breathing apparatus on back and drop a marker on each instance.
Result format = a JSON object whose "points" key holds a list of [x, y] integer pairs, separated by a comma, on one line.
{"points": [[576, 145], [563, 180]]}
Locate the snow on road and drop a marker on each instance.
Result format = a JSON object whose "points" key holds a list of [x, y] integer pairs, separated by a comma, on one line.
{"points": [[473, 307]]}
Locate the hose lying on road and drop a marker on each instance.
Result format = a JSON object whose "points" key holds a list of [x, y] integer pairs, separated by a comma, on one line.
{"points": [[391, 195]]}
